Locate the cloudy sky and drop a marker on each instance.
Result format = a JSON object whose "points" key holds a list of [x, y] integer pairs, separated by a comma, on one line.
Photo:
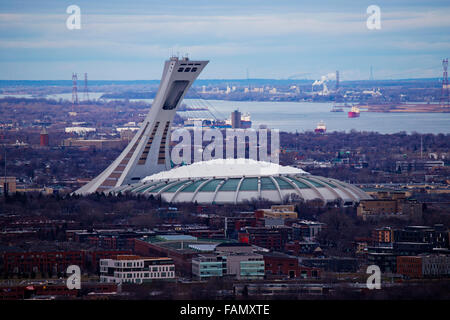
{"points": [[129, 40]]}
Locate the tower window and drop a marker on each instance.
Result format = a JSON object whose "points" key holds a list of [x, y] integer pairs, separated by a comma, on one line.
{"points": [[180, 69], [174, 94], [187, 69]]}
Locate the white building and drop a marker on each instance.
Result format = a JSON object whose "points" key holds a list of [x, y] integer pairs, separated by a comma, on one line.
{"points": [[79, 130], [135, 269]]}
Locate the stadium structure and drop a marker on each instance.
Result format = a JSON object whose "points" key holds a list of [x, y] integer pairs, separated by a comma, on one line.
{"points": [[144, 167], [234, 181]]}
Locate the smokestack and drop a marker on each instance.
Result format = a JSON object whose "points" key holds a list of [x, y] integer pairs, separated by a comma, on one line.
{"points": [[44, 137], [337, 80]]}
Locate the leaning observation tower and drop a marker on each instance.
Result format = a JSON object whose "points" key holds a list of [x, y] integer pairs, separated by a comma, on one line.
{"points": [[148, 151]]}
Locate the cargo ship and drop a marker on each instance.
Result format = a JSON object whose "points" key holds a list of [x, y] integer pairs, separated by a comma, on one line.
{"points": [[246, 121], [321, 127], [354, 112]]}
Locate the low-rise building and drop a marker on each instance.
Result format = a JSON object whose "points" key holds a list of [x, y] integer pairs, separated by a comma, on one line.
{"points": [[437, 236], [395, 206], [424, 266], [306, 230], [332, 264], [301, 247], [278, 264], [273, 238], [51, 262], [8, 184], [277, 211], [377, 207], [208, 266], [383, 235], [242, 265], [417, 165], [136, 269]]}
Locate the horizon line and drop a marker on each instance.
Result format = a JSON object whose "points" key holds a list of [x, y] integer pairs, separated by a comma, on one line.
{"points": [[231, 79]]}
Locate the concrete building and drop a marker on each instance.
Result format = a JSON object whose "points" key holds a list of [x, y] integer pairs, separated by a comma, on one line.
{"points": [[245, 265], [418, 165], [397, 205], [136, 269], [235, 119], [377, 208]]}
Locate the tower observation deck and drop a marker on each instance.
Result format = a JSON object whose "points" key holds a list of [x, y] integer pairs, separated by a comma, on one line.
{"points": [[148, 151]]}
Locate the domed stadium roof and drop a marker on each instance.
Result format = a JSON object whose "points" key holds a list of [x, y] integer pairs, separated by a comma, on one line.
{"points": [[224, 168], [235, 181]]}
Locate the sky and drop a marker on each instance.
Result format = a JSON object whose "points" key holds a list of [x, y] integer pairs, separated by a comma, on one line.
{"points": [[283, 39]]}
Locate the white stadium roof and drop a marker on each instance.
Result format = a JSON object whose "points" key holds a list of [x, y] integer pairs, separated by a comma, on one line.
{"points": [[225, 168]]}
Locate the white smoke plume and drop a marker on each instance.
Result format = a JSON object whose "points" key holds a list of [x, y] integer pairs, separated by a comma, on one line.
{"points": [[323, 79]]}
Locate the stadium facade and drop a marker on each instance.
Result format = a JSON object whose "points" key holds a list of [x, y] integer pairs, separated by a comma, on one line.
{"points": [[235, 181]]}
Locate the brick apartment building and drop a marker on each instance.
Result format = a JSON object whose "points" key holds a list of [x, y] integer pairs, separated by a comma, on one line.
{"points": [[279, 265], [42, 262], [54, 262], [273, 238]]}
